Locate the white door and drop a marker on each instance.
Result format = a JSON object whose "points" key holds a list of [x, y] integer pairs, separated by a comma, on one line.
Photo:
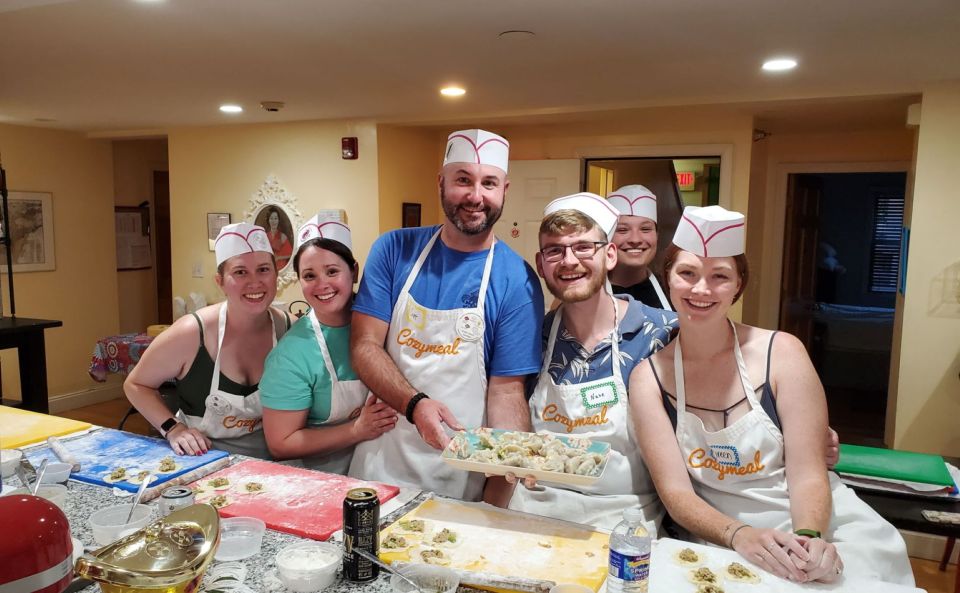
{"points": [[533, 184]]}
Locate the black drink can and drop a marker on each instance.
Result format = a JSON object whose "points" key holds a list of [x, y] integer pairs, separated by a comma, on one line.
{"points": [[361, 529]]}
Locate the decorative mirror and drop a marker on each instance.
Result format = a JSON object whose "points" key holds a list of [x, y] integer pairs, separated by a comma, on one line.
{"points": [[275, 209]]}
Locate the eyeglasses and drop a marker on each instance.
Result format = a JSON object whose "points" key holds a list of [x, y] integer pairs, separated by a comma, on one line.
{"points": [[581, 250]]}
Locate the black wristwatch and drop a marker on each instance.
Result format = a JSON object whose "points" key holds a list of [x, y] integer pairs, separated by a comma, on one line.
{"points": [[168, 425], [413, 404]]}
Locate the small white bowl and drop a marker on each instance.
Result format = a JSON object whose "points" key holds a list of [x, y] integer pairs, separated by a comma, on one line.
{"points": [[56, 473], [428, 577], [108, 524], [240, 537], [9, 459], [306, 567], [55, 493]]}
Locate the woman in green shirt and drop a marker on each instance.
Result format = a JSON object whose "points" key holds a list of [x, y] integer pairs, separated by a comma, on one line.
{"points": [[314, 406]]}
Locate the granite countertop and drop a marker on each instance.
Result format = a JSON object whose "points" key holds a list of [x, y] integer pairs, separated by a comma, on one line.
{"points": [[84, 499]]}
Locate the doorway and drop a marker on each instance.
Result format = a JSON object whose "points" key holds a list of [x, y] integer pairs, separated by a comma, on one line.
{"points": [[677, 182], [838, 292], [161, 199]]}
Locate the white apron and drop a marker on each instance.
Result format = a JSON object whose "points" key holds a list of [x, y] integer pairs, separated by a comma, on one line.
{"points": [[625, 482], [232, 422], [664, 301], [740, 471], [440, 352], [346, 399]]}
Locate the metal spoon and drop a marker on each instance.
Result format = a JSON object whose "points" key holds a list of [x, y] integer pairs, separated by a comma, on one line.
{"points": [[36, 485], [386, 567], [139, 495]]}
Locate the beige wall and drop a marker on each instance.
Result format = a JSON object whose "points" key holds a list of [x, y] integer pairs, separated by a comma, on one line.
{"points": [[409, 159], [218, 169], [875, 150], [134, 162], [82, 291], [928, 402]]}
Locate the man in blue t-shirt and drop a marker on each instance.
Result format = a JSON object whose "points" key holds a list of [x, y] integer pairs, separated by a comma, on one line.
{"points": [[446, 328]]}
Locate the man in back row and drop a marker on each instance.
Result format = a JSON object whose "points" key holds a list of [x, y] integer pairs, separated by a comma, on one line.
{"points": [[446, 327], [636, 241]]}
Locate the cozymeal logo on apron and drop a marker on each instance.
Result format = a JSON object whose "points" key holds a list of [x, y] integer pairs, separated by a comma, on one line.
{"points": [[405, 338], [725, 460], [551, 413]]}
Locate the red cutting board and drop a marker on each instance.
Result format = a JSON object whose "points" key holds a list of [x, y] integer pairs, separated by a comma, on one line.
{"points": [[295, 500]]}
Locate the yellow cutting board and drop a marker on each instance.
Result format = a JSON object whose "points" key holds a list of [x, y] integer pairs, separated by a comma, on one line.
{"points": [[20, 427], [507, 543]]}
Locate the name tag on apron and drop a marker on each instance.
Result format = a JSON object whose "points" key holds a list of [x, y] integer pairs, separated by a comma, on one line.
{"points": [[603, 394], [725, 455]]}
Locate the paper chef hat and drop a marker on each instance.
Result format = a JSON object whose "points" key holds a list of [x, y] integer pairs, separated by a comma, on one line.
{"points": [[324, 228], [240, 238], [710, 232], [592, 205], [635, 200], [477, 147]]}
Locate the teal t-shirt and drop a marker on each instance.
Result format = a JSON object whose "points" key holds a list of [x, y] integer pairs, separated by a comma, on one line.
{"points": [[294, 375]]}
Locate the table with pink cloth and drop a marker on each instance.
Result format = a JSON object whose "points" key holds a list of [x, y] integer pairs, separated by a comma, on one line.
{"points": [[117, 354]]}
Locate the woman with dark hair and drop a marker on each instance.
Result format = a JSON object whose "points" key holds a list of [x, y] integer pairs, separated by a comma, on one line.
{"points": [[314, 406], [739, 466]]}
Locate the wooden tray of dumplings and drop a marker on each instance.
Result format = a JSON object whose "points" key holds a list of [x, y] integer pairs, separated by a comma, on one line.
{"points": [[547, 456]]}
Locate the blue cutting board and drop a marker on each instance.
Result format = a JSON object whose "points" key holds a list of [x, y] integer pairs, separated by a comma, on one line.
{"points": [[101, 451]]}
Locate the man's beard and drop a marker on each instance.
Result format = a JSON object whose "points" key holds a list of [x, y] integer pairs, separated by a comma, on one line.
{"points": [[492, 215], [596, 283]]}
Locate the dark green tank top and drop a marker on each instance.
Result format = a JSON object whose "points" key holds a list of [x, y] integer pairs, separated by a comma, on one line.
{"points": [[194, 387]]}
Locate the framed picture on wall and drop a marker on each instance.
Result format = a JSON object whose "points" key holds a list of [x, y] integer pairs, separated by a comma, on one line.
{"points": [[31, 232], [411, 214], [215, 222]]}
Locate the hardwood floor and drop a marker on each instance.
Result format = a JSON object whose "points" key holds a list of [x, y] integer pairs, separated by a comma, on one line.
{"points": [[109, 414]]}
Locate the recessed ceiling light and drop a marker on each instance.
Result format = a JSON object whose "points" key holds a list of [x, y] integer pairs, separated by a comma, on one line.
{"points": [[779, 64], [452, 91], [231, 108]]}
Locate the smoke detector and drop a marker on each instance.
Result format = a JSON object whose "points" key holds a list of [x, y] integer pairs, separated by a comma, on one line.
{"points": [[272, 106]]}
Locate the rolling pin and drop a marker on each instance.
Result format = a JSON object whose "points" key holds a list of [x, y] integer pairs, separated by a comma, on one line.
{"points": [[62, 454], [190, 476]]}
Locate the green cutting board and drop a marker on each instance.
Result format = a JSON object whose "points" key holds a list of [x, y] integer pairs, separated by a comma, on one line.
{"points": [[893, 464]]}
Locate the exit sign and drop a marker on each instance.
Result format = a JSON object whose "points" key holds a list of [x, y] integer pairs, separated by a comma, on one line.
{"points": [[685, 180]]}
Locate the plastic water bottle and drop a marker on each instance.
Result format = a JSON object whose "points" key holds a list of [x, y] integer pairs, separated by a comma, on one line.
{"points": [[629, 555]]}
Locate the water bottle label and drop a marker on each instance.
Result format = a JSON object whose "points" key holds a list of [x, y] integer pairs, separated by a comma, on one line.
{"points": [[628, 567]]}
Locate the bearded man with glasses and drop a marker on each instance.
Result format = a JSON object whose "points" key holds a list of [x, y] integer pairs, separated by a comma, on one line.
{"points": [[591, 344]]}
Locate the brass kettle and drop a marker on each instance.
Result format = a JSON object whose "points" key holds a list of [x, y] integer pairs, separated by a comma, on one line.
{"points": [[168, 556]]}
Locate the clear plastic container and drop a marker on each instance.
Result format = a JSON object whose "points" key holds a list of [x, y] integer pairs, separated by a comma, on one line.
{"points": [[240, 537], [629, 554], [306, 567], [55, 493], [109, 524], [56, 473], [9, 459], [429, 578]]}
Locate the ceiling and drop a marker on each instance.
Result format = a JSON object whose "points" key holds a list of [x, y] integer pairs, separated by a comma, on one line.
{"points": [[123, 66]]}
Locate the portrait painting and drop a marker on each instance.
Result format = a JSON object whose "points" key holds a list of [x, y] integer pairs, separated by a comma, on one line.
{"points": [[31, 232], [279, 230]]}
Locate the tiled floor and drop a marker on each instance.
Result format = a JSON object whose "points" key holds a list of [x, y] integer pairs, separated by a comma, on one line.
{"points": [[109, 414]]}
